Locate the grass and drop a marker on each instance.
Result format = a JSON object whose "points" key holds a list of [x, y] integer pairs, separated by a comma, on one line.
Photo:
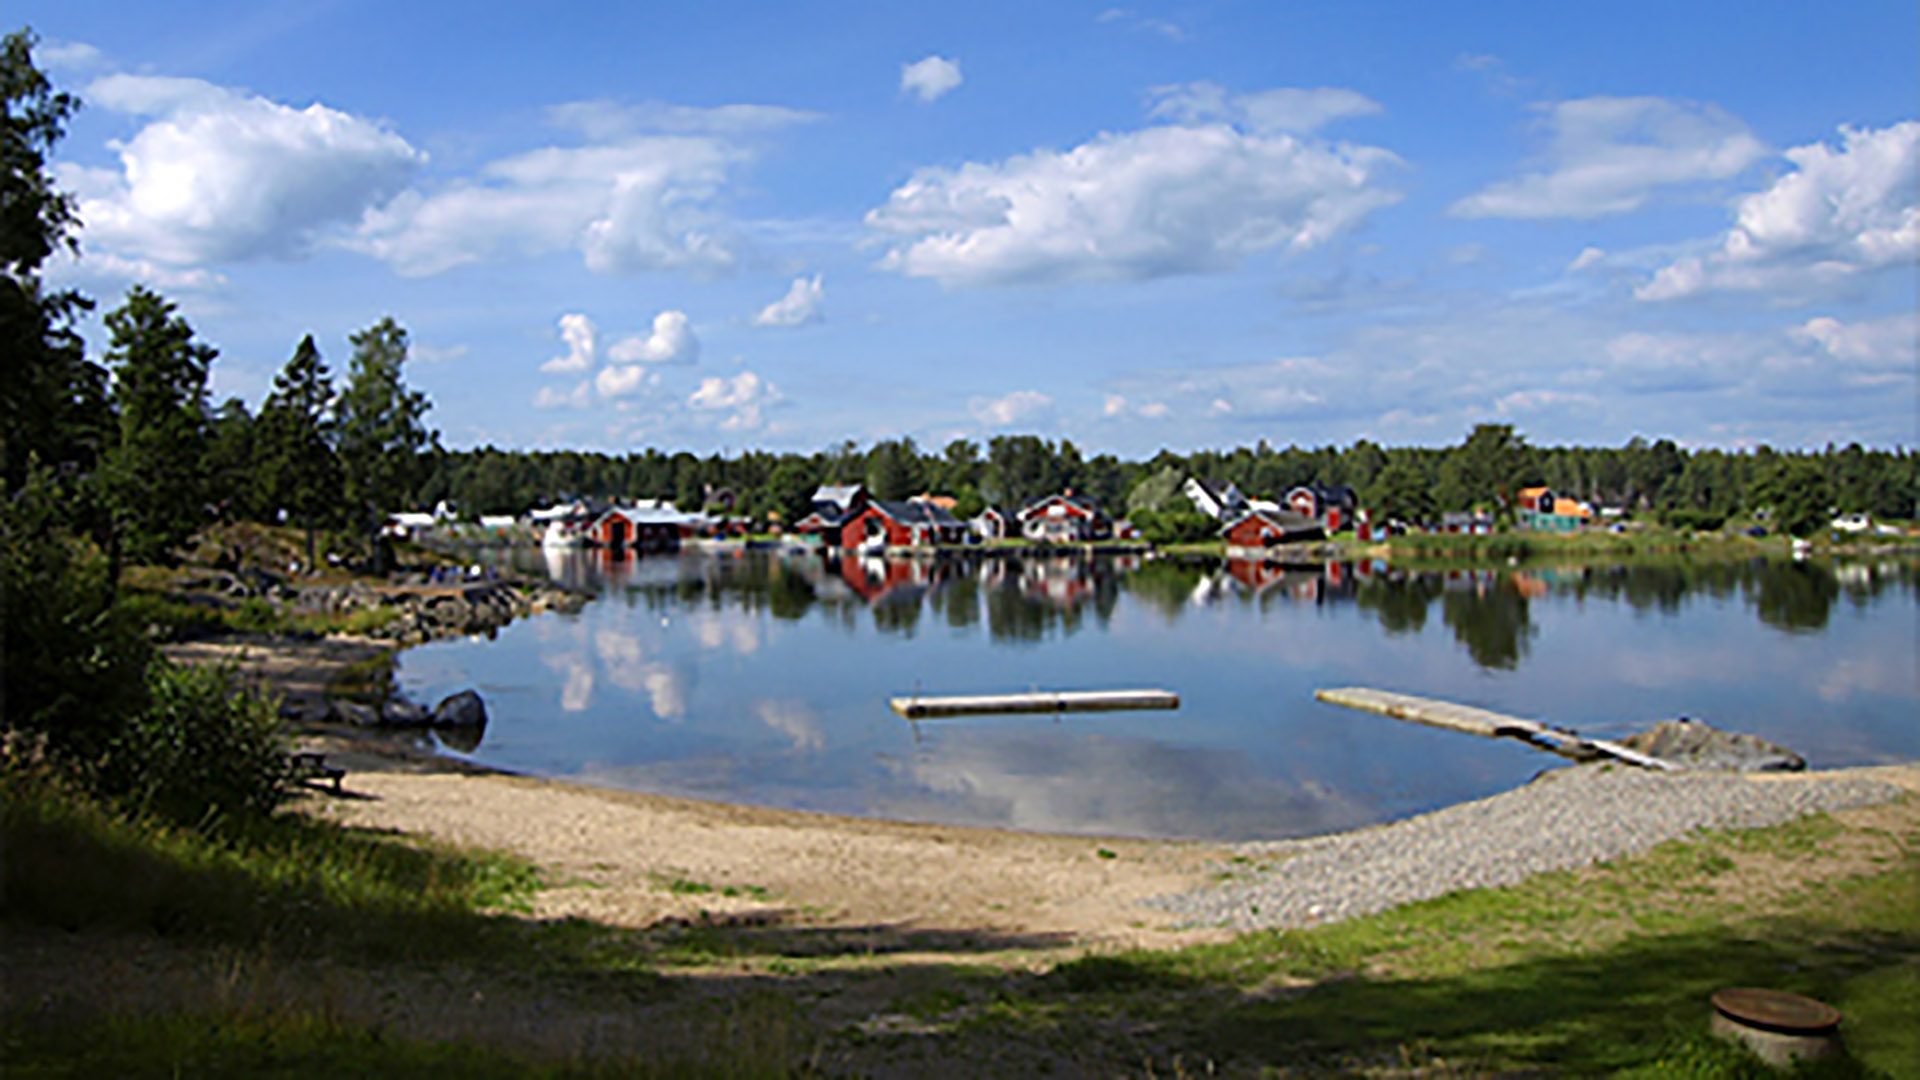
{"points": [[1604, 969], [171, 618]]}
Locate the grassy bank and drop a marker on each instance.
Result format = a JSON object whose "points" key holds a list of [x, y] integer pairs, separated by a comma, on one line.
{"points": [[1599, 970]]}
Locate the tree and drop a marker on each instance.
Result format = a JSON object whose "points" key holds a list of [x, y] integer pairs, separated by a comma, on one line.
{"points": [[53, 402], [383, 437], [298, 469], [1158, 492], [1400, 491], [790, 487], [156, 470], [232, 460], [893, 469], [1797, 490]]}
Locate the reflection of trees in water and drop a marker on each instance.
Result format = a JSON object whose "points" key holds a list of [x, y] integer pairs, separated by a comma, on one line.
{"points": [[1795, 596], [1165, 585], [1401, 603], [958, 599], [1491, 620], [898, 614]]}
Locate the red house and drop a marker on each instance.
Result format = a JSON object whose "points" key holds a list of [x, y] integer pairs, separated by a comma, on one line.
{"points": [[881, 523], [642, 528], [1265, 528]]}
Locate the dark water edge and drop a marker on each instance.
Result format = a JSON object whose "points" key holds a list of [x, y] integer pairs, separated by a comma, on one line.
{"points": [[761, 678]]}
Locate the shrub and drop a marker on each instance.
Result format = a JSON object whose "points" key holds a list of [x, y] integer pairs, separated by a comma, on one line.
{"points": [[204, 746], [1175, 526]]}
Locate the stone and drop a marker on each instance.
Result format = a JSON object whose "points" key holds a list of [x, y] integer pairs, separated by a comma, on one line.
{"points": [[354, 712], [461, 710], [1699, 745], [402, 713]]}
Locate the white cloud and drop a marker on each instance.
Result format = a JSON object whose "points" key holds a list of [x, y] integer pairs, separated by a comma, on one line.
{"points": [[644, 203], [220, 175], [744, 398], [1838, 213], [1888, 343], [1608, 155], [73, 56], [1115, 405], [800, 306], [577, 331], [621, 380], [605, 120], [426, 353], [107, 265], [1166, 28], [671, 342], [1154, 410], [1021, 406], [1151, 203], [1588, 257], [552, 397], [929, 78], [1294, 109]]}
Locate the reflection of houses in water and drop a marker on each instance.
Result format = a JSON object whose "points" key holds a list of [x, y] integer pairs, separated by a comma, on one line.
{"points": [[1303, 583], [873, 578]]}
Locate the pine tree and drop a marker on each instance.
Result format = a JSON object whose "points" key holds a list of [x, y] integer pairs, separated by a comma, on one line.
{"points": [[299, 471], [156, 470]]}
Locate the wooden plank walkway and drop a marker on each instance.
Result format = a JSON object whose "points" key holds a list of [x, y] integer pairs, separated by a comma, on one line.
{"points": [[1473, 721], [1040, 701]]}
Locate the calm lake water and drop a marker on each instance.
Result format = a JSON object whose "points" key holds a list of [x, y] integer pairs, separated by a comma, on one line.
{"points": [[762, 678]]}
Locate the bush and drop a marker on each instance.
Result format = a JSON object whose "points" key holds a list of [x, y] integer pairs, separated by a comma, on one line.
{"points": [[1698, 520], [1176, 526], [73, 660], [204, 746]]}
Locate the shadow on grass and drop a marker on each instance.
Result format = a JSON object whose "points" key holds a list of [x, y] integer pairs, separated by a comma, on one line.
{"points": [[303, 888]]}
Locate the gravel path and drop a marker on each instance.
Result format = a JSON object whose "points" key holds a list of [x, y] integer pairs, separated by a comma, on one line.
{"points": [[1567, 818]]}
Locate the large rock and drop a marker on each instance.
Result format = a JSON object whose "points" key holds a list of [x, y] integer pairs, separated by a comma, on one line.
{"points": [[1699, 745], [461, 710]]}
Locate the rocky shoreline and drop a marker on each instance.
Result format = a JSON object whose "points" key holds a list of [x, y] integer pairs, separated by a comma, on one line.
{"points": [[1564, 819]]}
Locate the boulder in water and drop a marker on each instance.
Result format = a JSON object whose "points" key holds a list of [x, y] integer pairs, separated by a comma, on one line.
{"points": [[461, 710], [1699, 745]]}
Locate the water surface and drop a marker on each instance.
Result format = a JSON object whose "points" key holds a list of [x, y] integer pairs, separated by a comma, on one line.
{"points": [[762, 678]]}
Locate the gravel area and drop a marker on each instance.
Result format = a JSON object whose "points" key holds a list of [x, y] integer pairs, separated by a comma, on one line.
{"points": [[1566, 818]]}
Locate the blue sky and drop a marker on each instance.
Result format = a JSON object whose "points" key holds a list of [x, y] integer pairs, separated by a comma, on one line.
{"points": [[1195, 225]]}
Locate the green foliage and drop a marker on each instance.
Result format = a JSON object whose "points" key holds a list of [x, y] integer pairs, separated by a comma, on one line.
{"points": [[53, 406], [1701, 520], [382, 436], [204, 746], [1157, 493], [1176, 526], [74, 663], [1799, 493], [296, 468], [156, 471], [1401, 491]]}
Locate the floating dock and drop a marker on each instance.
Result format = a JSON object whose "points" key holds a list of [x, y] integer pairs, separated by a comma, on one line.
{"points": [[1472, 721], [1039, 701]]}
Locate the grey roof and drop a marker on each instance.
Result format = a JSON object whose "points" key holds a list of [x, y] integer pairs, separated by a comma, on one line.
{"points": [[914, 512]]}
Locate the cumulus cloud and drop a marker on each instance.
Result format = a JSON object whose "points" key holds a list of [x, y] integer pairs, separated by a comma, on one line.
{"points": [[1173, 199], [929, 78], [1294, 109], [221, 175], [68, 56], [743, 399], [794, 720], [671, 342], [800, 306], [1021, 406], [1608, 155], [1891, 343], [644, 203], [553, 397], [622, 380], [1839, 212], [577, 331]]}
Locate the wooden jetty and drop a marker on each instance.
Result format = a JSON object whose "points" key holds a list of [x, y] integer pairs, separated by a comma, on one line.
{"points": [[1472, 721], [1039, 701]]}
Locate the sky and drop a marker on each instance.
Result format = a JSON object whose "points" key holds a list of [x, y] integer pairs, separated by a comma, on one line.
{"points": [[727, 226]]}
